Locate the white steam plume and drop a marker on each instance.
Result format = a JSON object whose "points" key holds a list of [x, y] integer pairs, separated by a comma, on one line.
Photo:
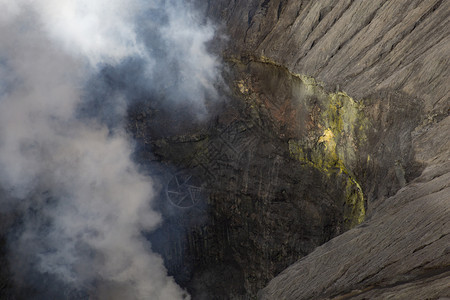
{"points": [[83, 202]]}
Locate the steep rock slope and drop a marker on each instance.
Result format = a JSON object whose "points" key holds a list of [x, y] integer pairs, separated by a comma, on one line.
{"points": [[360, 46], [394, 53], [402, 250], [277, 179]]}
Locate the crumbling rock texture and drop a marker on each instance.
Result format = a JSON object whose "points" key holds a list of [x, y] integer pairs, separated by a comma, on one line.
{"points": [[401, 250], [266, 206], [394, 57], [361, 46], [337, 112]]}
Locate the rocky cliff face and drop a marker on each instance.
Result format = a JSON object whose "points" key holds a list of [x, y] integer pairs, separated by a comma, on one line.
{"points": [[275, 168], [359, 47], [392, 59], [337, 112]]}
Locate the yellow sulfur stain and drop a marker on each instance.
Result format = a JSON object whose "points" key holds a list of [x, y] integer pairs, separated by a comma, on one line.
{"points": [[328, 140], [242, 88], [331, 145]]}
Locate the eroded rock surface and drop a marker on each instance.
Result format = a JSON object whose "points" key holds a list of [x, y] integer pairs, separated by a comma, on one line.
{"points": [[402, 250], [286, 166], [393, 58], [275, 178], [361, 46]]}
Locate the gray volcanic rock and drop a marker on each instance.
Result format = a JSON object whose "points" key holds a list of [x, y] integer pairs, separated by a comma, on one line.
{"points": [[390, 52], [265, 208], [341, 108], [360, 46], [402, 250]]}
